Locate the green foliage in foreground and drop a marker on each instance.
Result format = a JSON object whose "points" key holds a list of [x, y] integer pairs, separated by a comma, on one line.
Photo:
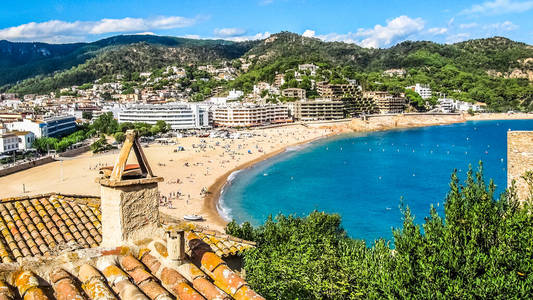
{"points": [[481, 249]]}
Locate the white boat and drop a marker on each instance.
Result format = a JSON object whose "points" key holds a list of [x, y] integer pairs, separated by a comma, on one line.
{"points": [[192, 217]]}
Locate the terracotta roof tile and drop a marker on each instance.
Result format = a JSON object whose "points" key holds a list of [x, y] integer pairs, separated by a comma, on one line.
{"points": [[217, 269], [43, 224], [94, 284], [64, 286], [28, 287], [144, 279]]}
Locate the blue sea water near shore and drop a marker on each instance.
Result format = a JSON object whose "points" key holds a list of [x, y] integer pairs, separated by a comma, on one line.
{"points": [[363, 177]]}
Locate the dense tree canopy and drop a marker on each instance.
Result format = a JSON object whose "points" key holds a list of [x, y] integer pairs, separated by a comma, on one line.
{"points": [[482, 248]]}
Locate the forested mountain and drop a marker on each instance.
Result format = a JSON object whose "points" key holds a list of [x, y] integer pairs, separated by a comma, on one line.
{"points": [[19, 61], [496, 70]]}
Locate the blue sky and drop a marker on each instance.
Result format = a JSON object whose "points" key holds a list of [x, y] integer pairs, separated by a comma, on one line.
{"points": [[366, 23]]}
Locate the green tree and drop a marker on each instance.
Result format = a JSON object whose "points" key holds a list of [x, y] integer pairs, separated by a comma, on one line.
{"points": [[120, 137], [481, 248], [87, 115]]}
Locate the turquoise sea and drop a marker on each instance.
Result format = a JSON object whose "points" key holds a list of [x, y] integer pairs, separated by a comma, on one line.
{"points": [[364, 177]]}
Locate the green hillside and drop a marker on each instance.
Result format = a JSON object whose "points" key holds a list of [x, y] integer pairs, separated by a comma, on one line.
{"points": [[477, 70]]}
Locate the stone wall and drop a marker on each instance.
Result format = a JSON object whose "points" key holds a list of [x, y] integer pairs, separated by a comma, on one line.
{"points": [[519, 160], [26, 165]]}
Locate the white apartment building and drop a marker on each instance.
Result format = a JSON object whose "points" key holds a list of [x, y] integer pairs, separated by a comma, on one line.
{"points": [[178, 115], [48, 127], [8, 143], [448, 105], [25, 139], [317, 110], [250, 115], [422, 89]]}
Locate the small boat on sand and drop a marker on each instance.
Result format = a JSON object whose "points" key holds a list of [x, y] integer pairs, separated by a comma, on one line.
{"points": [[193, 217]]}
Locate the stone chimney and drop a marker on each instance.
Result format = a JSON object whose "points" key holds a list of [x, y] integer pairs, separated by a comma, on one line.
{"points": [[176, 245], [129, 197]]}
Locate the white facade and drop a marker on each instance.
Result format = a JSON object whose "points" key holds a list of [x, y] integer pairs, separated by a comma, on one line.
{"points": [[423, 90], [178, 116], [49, 127], [250, 115], [448, 105], [25, 139], [38, 128], [8, 143]]}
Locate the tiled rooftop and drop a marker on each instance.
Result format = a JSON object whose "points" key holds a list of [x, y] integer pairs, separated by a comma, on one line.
{"points": [[45, 224], [65, 231]]}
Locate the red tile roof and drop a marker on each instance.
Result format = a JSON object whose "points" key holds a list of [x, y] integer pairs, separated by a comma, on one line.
{"points": [[51, 242]]}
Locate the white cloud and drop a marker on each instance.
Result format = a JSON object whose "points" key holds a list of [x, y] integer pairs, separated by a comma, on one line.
{"points": [[257, 36], [61, 31], [498, 7], [229, 32], [396, 30], [503, 26], [459, 37], [308, 33], [437, 30]]}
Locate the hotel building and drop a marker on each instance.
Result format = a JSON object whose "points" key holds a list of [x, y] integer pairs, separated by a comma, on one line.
{"points": [[316, 110], [387, 103], [178, 116], [250, 115], [48, 127]]}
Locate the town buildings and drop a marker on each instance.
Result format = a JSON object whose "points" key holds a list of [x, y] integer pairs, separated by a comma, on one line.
{"points": [[47, 127], [248, 115], [449, 105], [317, 110], [337, 91], [177, 115], [386, 102], [423, 90], [25, 139], [294, 93], [8, 143]]}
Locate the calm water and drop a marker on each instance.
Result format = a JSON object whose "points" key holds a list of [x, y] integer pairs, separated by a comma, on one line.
{"points": [[364, 177]]}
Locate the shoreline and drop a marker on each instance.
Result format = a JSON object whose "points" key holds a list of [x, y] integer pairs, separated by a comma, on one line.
{"points": [[212, 199]]}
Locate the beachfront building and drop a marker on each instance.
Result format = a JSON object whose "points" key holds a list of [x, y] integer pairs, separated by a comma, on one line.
{"points": [[422, 89], [25, 139], [449, 105], [177, 115], [248, 115], [60, 125], [293, 93], [47, 127], [386, 102], [317, 110], [8, 143]]}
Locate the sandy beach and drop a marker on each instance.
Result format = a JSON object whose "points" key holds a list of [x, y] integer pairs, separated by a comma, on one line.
{"points": [[194, 177], [190, 175]]}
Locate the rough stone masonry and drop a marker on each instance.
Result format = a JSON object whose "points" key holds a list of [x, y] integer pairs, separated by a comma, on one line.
{"points": [[519, 160]]}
